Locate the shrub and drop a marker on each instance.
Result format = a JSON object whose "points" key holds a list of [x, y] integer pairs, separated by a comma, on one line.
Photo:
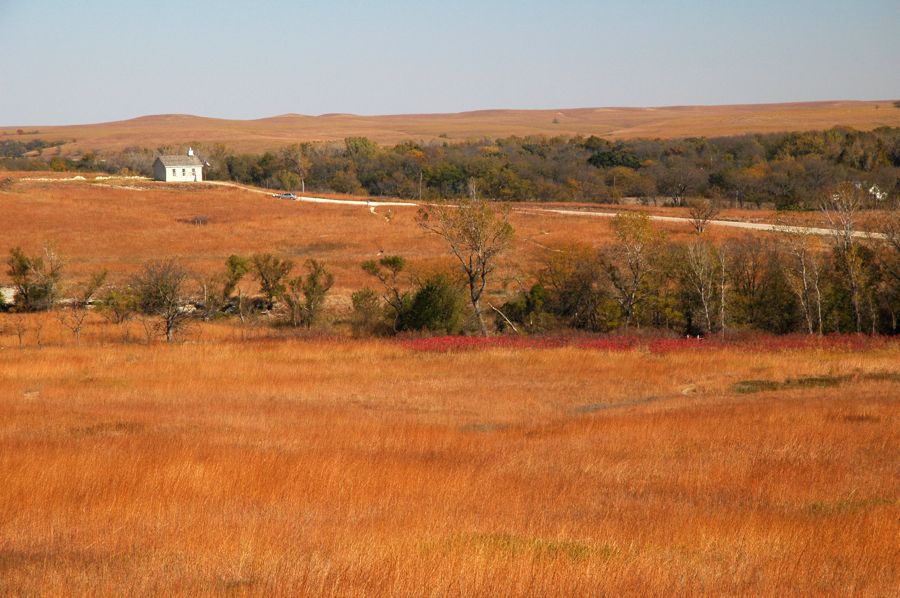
{"points": [[437, 306], [367, 310]]}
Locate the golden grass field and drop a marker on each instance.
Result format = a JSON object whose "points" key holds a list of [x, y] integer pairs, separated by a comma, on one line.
{"points": [[249, 461], [612, 123], [292, 467]]}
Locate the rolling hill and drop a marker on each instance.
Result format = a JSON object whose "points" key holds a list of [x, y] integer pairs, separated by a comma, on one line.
{"points": [[612, 123]]}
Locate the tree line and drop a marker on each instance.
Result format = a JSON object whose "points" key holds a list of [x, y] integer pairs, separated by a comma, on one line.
{"points": [[793, 281], [784, 170]]}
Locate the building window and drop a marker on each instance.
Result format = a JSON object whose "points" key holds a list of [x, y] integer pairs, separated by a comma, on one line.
{"points": [[182, 172], [193, 171], [173, 172]]}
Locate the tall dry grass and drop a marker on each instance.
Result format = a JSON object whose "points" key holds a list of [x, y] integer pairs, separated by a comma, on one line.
{"points": [[614, 123], [291, 467], [119, 228]]}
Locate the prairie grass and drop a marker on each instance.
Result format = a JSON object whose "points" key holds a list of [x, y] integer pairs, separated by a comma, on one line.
{"points": [[119, 229], [613, 123], [333, 467]]}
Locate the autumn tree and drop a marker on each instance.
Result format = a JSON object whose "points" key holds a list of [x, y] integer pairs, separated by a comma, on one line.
{"points": [[801, 258], [74, 315], [161, 292], [630, 261], [701, 211], [702, 278], [477, 233], [841, 207]]}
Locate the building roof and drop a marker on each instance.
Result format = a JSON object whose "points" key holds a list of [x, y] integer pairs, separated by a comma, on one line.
{"points": [[179, 161]]}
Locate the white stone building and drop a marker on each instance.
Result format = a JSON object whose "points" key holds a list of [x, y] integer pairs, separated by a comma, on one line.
{"points": [[178, 169]]}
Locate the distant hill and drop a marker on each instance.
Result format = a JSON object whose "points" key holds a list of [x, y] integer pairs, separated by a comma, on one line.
{"points": [[612, 123]]}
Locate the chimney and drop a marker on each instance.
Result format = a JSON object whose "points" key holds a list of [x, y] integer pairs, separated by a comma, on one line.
{"points": [[190, 151]]}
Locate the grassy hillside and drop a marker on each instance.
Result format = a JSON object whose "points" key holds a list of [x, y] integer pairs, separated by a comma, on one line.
{"points": [[611, 123]]}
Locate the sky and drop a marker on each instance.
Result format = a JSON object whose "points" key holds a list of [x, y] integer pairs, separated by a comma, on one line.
{"points": [[65, 62]]}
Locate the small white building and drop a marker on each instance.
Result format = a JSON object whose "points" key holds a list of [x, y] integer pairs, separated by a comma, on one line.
{"points": [[178, 169]]}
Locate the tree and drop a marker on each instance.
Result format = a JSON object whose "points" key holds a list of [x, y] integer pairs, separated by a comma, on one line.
{"points": [[305, 298], [73, 317], [840, 207], [477, 233], [160, 291], [296, 160], [270, 271], [573, 279], [318, 282], [36, 279], [631, 259], [701, 211], [802, 267], [119, 305], [388, 270], [702, 277], [236, 267], [435, 306], [678, 179]]}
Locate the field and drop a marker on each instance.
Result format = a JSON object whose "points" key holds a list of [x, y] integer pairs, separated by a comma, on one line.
{"points": [[611, 123], [290, 467], [252, 461], [118, 224]]}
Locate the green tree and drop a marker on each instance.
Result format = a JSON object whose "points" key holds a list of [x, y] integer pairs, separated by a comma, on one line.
{"points": [[305, 297], [36, 278], [436, 306], [388, 271], [270, 271], [236, 267]]}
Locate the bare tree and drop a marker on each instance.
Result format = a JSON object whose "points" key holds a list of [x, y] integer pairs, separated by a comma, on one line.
{"points": [[477, 233], [701, 211], [889, 252], [74, 316], [20, 327], [631, 260], [701, 263], [840, 207], [161, 292], [802, 267]]}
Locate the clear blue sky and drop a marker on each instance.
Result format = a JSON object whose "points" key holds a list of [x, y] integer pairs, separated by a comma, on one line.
{"points": [[65, 62]]}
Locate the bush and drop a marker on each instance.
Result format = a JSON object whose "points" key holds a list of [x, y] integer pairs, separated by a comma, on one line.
{"points": [[367, 310], [437, 306]]}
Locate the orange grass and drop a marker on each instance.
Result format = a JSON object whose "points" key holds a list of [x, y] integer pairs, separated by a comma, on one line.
{"points": [[120, 224], [613, 123], [289, 467]]}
